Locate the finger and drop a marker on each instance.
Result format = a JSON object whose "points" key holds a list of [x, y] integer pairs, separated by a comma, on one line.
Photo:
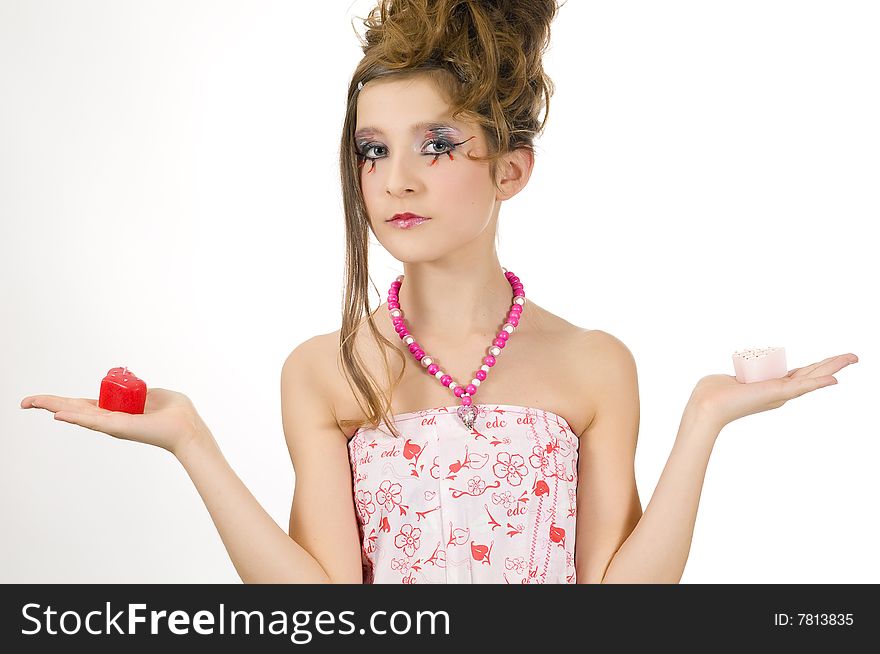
{"points": [[810, 368], [834, 365], [803, 385], [55, 403], [840, 359]]}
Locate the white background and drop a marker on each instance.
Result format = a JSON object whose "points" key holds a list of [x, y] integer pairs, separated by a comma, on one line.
{"points": [[170, 202]]}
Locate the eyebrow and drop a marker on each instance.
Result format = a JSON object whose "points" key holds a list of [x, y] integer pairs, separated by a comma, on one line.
{"points": [[418, 127]]}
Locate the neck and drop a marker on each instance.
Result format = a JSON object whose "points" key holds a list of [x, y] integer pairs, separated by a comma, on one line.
{"points": [[449, 303]]}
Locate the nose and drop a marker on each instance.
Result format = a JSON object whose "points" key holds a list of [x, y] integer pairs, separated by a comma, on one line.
{"points": [[404, 173]]}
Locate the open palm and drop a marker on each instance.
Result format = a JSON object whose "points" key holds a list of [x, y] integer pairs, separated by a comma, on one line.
{"points": [[727, 400], [169, 418]]}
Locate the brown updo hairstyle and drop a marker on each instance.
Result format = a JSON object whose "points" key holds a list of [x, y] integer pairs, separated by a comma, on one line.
{"points": [[484, 57]]}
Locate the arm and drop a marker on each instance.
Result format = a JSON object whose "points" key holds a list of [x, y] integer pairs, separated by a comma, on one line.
{"points": [[657, 549], [616, 542], [260, 550]]}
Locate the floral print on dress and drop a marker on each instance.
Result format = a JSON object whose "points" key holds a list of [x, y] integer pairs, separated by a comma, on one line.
{"points": [[448, 504]]}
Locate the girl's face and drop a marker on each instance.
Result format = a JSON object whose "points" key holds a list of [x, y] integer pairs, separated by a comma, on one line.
{"points": [[412, 160]]}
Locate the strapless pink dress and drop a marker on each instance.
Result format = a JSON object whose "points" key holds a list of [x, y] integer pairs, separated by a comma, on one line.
{"points": [[447, 504]]}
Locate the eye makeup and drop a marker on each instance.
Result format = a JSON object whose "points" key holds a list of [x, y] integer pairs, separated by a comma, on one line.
{"points": [[438, 135]]}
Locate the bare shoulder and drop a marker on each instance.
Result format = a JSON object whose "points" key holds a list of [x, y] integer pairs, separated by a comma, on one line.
{"points": [[603, 347], [307, 369], [608, 370]]}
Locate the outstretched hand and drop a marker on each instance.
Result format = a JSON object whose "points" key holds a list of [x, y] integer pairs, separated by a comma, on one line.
{"points": [[726, 399], [169, 419]]}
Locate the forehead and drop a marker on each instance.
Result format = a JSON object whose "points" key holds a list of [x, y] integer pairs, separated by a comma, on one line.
{"points": [[401, 106]]}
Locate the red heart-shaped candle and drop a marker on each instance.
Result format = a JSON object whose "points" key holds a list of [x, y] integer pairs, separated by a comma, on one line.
{"points": [[122, 390]]}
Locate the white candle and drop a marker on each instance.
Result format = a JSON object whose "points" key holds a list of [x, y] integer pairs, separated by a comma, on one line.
{"points": [[759, 364]]}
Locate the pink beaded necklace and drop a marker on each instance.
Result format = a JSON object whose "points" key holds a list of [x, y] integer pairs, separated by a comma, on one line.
{"points": [[467, 411]]}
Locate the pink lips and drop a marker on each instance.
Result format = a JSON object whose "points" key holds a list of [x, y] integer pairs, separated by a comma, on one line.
{"points": [[407, 220]]}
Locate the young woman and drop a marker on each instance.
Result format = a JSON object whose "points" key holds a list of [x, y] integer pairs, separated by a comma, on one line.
{"points": [[496, 444]]}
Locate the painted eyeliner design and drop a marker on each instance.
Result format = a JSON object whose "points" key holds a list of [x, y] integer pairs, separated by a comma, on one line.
{"points": [[363, 158]]}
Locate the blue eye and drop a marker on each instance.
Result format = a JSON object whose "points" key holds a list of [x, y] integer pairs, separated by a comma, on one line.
{"points": [[448, 148]]}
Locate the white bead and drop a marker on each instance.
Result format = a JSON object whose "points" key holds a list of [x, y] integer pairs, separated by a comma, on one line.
{"points": [[508, 328], [439, 374], [452, 385], [427, 361], [396, 313], [519, 300], [475, 381], [409, 340], [400, 278], [494, 350], [484, 368]]}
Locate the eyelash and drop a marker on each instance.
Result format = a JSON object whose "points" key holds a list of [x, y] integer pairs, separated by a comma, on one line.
{"points": [[441, 142]]}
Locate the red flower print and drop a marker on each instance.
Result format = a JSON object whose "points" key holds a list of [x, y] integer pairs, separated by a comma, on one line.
{"points": [[365, 505], [475, 489], [476, 485], [401, 565], [481, 552], [505, 499], [557, 535], [458, 536], [514, 530], [438, 558], [388, 494], [516, 563], [511, 468], [412, 452], [408, 539], [541, 487], [539, 459]]}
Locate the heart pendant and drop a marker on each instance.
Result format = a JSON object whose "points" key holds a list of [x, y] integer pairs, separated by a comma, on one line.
{"points": [[468, 415]]}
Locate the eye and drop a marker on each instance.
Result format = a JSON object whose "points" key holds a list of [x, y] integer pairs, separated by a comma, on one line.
{"points": [[442, 143], [367, 148], [445, 148]]}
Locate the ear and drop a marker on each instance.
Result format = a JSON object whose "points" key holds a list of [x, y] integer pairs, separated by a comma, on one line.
{"points": [[514, 170]]}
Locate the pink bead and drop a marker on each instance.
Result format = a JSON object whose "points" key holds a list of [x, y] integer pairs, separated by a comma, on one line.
{"points": [[513, 321], [481, 375], [466, 401], [446, 380], [458, 390], [413, 347], [489, 360], [433, 368], [419, 355], [471, 389], [517, 308], [499, 342], [396, 284], [503, 335], [514, 279], [393, 305], [519, 293]]}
